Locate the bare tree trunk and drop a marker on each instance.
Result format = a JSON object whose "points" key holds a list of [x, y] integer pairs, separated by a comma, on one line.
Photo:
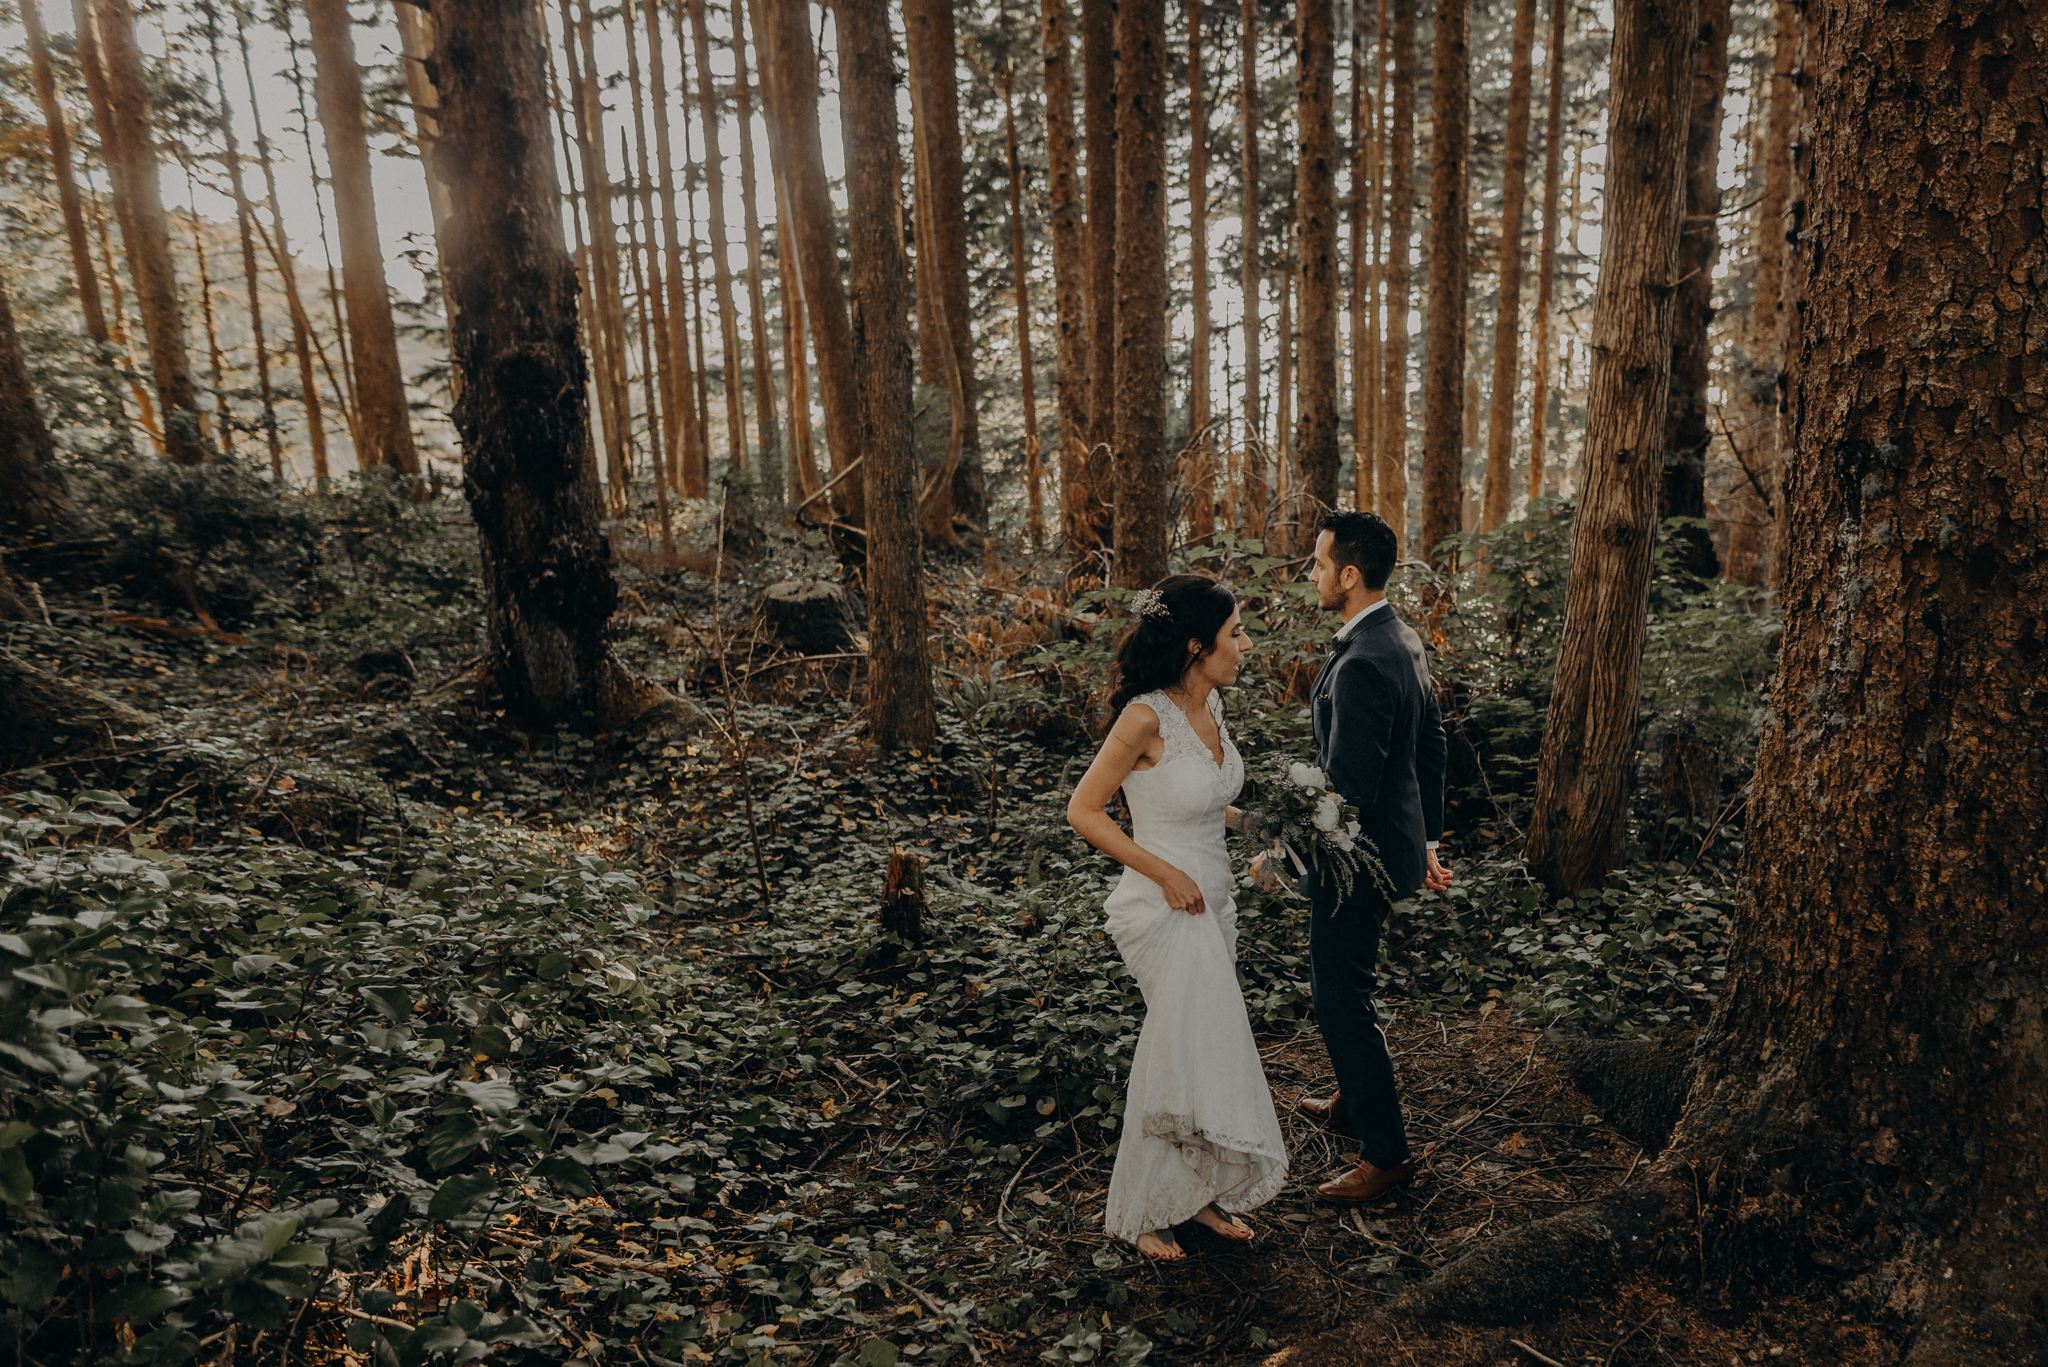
{"points": [[649, 301], [1315, 205], [790, 91], [1201, 475], [1250, 273], [122, 105], [693, 177], [213, 352], [245, 231], [343, 384], [416, 43], [1283, 385], [527, 466], [1070, 290], [33, 493], [678, 456], [655, 374], [1400, 232], [1367, 152], [1579, 823], [1682, 489], [757, 311], [605, 327], [1443, 371], [1034, 474], [1546, 259], [67, 187], [803, 460], [1507, 330], [117, 328], [937, 498], [383, 420], [721, 262], [1141, 530], [901, 709], [1099, 96], [280, 247]]}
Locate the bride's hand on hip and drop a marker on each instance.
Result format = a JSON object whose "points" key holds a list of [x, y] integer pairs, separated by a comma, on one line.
{"points": [[1182, 892]]}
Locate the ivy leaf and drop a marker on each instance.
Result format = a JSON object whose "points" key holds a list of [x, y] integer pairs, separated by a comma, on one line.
{"points": [[458, 1194], [391, 1002], [451, 1140]]}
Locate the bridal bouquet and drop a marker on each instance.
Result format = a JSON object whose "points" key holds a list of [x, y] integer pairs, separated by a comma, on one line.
{"points": [[1308, 823]]}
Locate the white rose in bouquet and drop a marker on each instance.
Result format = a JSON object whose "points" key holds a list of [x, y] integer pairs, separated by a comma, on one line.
{"points": [[1328, 809], [1307, 776]]}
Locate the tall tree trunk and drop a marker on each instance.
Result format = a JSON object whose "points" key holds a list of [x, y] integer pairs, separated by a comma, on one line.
{"points": [[206, 318], [790, 90], [33, 493], [1868, 1096], [1141, 530], [765, 430], [1202, 461], [117, 328], [934, 50], [803, 460], [937, 498], [901, 709], [1315, 205], [1250, 270], [1579, 824], [721, 262], [648, 298], [337, 309], [527, 466], [1682, 489], [1098, 67], [655, 374], [383, 422], [604, 327], [1400, 232], [1034, 474], [1283, 382], [67, 186], [1443, 371], [1367, 150], [693, 177], [1507, 330], [280, 248], [246, 232], [1546, 258], [129, 143], [679, 456], [1070, 289], [416, 45]]}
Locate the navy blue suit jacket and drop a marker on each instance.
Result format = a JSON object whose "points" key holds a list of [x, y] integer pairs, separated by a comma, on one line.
{"points": [[1380, 738]]}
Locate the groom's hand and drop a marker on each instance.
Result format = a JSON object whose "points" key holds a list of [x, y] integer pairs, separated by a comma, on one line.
{"points": [[1438, 877]]}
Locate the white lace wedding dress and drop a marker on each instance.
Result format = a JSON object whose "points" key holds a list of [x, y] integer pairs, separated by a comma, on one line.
{"points": [[1198, 1121]]}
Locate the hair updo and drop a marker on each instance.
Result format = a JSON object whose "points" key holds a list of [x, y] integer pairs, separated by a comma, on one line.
{"points": [[1154, 655]]}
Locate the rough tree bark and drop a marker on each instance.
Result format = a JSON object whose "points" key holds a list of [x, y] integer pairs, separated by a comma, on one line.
{"points": [[681, 456], [1546, 256], [1507, 330], [937, 496], [1682, 487], [1315, 206], [1443, 370], [33, 493], [1400, 156], [657, 377], [765, 428], [1141, 530], [790, 90], [603, 321], [1020, 260], [129, 143], [60, 167], [1201, 471], [1867, 1110], [1579, 823], [721, 261], [1251, 272], [901, 710], [1070, 289], [1098, 67], [1368, 151], [528, 469], [383, 428]]}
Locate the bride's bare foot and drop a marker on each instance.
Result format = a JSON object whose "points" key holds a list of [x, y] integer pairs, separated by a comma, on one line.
{"points": [[1161, 1246], [1230, 1227]]}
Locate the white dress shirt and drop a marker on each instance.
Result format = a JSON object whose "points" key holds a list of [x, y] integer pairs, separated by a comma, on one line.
{"points": [[1349, 629]]}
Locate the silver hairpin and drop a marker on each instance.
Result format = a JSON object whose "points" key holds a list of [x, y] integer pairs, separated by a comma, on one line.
{"points": [[1150, 603]]}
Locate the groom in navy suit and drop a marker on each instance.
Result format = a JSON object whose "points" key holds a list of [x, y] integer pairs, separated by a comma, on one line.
{"points": [[1380, 739]]}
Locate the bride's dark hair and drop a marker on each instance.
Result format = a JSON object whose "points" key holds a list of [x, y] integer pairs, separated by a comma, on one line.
{"points": [[1189, 607]]}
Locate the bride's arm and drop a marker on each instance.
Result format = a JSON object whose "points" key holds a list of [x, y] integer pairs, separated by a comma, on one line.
{"points": [[1127, 742]]}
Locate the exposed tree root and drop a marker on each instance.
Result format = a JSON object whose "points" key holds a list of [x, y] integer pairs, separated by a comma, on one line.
{"points": [[42, 709], [1638, 1084]]}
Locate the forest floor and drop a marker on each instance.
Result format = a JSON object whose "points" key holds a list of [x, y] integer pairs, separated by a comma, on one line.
{"points": [[710, 1110]]}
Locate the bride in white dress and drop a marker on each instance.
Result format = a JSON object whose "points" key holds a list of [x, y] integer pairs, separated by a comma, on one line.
{"points": [[1200, 1139]]}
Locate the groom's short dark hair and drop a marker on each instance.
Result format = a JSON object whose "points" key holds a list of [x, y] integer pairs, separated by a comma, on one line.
{"points": [[1362, 540]]}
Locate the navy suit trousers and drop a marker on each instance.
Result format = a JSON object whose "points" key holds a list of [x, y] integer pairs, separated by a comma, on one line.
{"points": [[1343, 950]]}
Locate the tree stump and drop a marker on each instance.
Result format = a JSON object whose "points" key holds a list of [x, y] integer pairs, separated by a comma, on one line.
{"points": [[810, 616], [903, 904]]}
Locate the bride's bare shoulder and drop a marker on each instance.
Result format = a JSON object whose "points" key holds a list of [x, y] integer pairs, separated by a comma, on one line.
{"points": [[1139, 721]]}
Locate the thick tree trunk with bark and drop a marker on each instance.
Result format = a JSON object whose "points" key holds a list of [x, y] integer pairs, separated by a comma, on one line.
{"points": [[1507, 330], [1020, 260], [1201, 471], [1141, 530], [383, 429], [1098, 95], [1546, 256], [1682, 489], [1070, 289], [1315, 207], [121, 103], [1579, 823], [1443, 371], [901, 710], [1867, 1110], [528, 469], [790, 89], [33, 493], [937, 497], [1400, 156]]}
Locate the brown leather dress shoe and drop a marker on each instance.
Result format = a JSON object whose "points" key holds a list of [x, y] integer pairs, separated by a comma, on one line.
{"points": [[1327, 1109], [1366, 1183]]}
